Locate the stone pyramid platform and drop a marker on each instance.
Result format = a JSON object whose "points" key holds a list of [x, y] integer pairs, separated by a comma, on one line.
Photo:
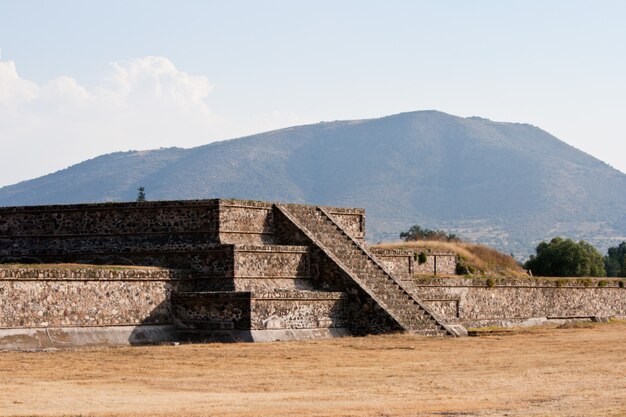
{"points": [[245, 270]]}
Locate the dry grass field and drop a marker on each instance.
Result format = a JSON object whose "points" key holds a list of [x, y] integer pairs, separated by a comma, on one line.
{"points": [[579, 371]]}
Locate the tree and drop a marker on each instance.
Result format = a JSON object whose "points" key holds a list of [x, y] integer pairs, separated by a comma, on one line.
{"points": [[141, 194], [566, 258], [416, 232], [615, 261]]}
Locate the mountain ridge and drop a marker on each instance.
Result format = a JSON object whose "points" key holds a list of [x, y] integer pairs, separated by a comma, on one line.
{"points": [[501, 183]]}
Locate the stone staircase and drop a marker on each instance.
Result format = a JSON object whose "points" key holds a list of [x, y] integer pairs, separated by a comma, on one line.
{"points": [[358, 264]]}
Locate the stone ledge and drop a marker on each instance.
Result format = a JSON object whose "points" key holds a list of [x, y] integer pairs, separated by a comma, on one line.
{"points": [[464, 282], [78, 272], [37, 339], [216, 202], [231, 202], [330, 209], [56, 208], [409, 252], [390, 252], [277, 294], [271, 248]]}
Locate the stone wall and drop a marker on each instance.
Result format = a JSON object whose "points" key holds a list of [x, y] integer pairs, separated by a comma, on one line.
{"points": [[404, 262], [214, 260], [283, 309], [437, 263], [194, 216], [270, 289], [77, 296], [287, 309], [264, 268], [483, 302], [246, 222], [46, 234], [147, 233], [87, 296], [399, 262]]}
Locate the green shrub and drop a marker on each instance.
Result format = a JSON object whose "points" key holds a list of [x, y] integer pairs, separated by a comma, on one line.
{"points": [[422, 258], [464, 268], [615, 261], [621, 284], [141, 194], [491, 282], [416, 232], [566, 258], [602, 283]]}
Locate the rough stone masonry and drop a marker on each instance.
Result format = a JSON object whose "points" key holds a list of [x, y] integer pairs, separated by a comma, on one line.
{"points": [[234, 270]]}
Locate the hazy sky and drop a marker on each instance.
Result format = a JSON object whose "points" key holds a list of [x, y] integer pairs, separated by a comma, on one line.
{"points": [[82, 78]]}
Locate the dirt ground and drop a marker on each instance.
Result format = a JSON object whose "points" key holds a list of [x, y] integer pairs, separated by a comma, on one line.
{"points": [[541, 372]]}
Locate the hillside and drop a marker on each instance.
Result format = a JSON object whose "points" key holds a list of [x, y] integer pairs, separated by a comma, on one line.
{"points": [[508, 185]]}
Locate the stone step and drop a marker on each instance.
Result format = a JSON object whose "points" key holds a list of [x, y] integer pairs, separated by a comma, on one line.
{"points": [[363, 269]]}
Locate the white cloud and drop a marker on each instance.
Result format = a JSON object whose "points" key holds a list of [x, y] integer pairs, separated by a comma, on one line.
{"points": [[156, 78], [143, 103], [13, 89]]}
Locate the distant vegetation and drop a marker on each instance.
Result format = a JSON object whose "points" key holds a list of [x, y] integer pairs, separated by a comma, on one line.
{"points": [[141, 194], [416, 232], [615, 261], [566, 258]]}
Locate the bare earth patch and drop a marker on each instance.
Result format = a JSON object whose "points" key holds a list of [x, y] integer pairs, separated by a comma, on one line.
{"points": [[538, 372]]}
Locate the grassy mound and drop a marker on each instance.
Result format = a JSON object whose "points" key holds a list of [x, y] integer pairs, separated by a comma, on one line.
{"points": [[473, 258]]}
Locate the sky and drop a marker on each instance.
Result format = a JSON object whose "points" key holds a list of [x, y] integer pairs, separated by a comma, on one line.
{"points": [[82, 78]]}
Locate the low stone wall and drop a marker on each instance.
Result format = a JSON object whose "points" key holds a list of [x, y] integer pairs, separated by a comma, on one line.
{"points": [[210, 260], [399, 262], [246, 222], [280, 310], [437, 263], [267, 268], [352, 220], [405, 263], [482, 302], [261, 310], [46, 247], [87, 296], [45, 298], [271, 261]]}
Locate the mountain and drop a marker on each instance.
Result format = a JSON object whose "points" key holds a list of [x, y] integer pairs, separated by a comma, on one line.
{"points": [[509, 185]]}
